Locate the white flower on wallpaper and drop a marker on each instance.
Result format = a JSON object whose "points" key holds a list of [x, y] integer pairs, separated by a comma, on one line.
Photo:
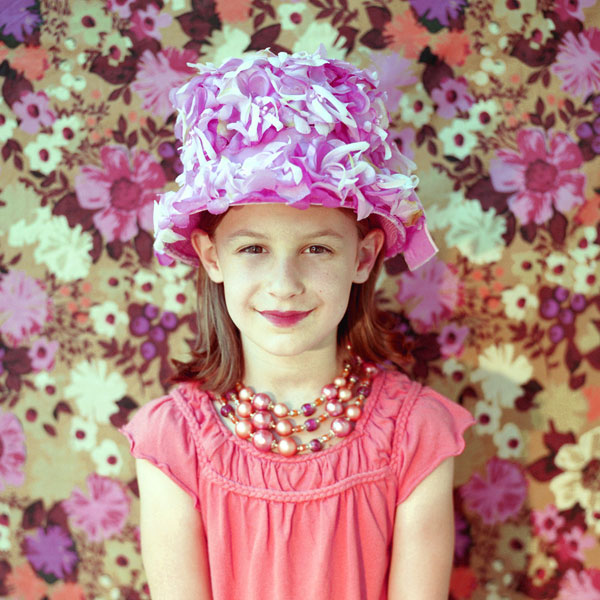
{"points": [[108, 458], [96, 387], [502, 374], [107, 317]]}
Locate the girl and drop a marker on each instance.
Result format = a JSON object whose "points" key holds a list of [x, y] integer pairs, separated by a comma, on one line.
{"points": [[292, 460]]}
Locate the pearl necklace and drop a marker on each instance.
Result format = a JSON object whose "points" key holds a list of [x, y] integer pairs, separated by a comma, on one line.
{"points": [[267, 424]]}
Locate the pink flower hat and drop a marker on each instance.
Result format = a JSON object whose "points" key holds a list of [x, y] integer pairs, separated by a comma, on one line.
{"points": [[299, 129]]}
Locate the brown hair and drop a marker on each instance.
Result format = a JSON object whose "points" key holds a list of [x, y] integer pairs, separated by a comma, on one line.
{"points": [[217, 359]]}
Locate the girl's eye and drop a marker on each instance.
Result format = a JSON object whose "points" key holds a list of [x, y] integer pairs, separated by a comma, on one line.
{"points": [[252, 250], [316, 249]]}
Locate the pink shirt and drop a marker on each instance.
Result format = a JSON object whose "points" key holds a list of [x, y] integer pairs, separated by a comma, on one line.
{"points": [[314, 525]]}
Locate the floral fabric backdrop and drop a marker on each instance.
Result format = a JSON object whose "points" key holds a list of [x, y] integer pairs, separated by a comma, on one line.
{"points": [[498, 102]]}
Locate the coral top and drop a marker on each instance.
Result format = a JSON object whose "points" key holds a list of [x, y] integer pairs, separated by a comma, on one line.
{"points": [[310, 526]]}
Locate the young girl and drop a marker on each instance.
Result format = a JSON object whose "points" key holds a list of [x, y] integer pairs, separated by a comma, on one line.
{"points": [[293, 460]]}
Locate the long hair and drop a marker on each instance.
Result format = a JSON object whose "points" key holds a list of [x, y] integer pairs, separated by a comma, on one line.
{"points": [[217, 360]]}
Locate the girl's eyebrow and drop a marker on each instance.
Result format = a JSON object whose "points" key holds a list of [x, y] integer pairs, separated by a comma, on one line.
{"points": [[240, 233]]}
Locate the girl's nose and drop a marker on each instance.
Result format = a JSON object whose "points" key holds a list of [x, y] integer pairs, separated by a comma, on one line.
{"points": [[285, 280]]}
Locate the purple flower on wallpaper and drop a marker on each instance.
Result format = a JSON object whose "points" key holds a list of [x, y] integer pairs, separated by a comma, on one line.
{"points": [[12, 450], [122, 192], [18, 19], [51, 551], [547, 522], [572, 543], [578, 62], [582, 585], [394, 72], [24, 307], [42, 354], [158, 74], [452, 339], [404, 139], [121, 7], [542, 175], [429, 294], [572, 9], [451, 96], [146, 22], [462, 540], [101, 513], [32, 109], [498, 496], [442, 10]]}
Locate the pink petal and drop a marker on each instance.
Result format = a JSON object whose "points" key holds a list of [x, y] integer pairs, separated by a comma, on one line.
{"points": [[507, 176], [114, 224], [532, 144], [92, 187], [564, 153], [147, 171], [531, 206], [569, 192], [116, 162]]}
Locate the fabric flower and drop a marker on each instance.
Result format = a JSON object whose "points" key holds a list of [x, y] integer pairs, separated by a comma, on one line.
{"points": [[158, 74], [458, 139], [51, 551], [42, 354], [44, 153], [147, 22], [541, 176], [107, 458], [547, 522], [572, 543], [487, 417], [509, 441], [518, 300], [578, 62], [12, 454], [123, 191], [452, 339], [24, 306], [19, 19], [451, 97], [101, 513], [442, 10], [33, 112]]}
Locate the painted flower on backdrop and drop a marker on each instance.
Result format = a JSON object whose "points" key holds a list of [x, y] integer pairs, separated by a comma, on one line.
{"points": [[582, 585], [12, 450], [321, 32], [580, 480], [95, 389], [452, 339], [578, 62], [19, 19], [158, 74], [33, 111], [567, 9], [225, 43], [148, 21], [543, 175], [429, 294], [24, 307], [442, 10], [42, 353], [404, 34], [502, 374], [572, 544], [89, 21], [452, 96], [395, 72], [547, 522], [458, 138], [51, 551], [102, 512], [122, 192], [500, 495]]}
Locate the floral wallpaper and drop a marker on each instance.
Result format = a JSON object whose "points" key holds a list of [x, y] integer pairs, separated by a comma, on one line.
{"points": [[498, 102]]}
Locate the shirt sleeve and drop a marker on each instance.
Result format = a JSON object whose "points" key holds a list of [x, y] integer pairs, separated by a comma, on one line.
{"points": [[160, 433], [430, 429]]}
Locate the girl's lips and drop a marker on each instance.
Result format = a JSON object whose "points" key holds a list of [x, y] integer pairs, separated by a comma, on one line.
{"points": [[285, 318]]}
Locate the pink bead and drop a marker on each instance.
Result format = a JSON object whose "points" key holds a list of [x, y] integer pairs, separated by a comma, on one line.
{"points": [[244, 429], [353, 412], [329, 391], [334, 408], [261, 401], [245, 394], [287, 447], [283, 427], [341, 427], [339, 381], [262, 419], [244, 409], [344, 394], [262, 440], [370, 369], [280, 410]]}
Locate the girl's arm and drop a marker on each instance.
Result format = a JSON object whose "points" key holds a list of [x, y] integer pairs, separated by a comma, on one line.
{"points": [[173, 541], [423, 545]]}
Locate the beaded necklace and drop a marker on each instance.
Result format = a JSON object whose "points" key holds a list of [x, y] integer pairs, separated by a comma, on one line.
{"points": [[267, 424]]}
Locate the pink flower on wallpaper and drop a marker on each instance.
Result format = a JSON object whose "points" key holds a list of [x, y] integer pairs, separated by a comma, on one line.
{"points": [[394, 72], [12, 450], [158, 74], [452, 339], [101, 513], [32, 109], [442, 10], [500, 495], [42, 354], [578, 62], [547, 522], [404, 139], [24, 307], [542, 175], [451, 96], [429, 294], [121, 7], [123, 191], [572, 543], [146, 22], [570, 9], [51, 551], [582, 585]]}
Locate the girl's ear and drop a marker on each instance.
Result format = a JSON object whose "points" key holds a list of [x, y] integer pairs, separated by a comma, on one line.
{"points": [[368, 250], [207, 253]]}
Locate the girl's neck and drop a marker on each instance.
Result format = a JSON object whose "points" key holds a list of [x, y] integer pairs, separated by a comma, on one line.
{"points": [[292, 380]]}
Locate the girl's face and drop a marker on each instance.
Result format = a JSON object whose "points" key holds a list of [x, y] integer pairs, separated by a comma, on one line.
{"points": [[287, 273]]}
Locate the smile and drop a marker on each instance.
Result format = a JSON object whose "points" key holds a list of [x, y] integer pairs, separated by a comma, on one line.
{"points": [[285, 319]]}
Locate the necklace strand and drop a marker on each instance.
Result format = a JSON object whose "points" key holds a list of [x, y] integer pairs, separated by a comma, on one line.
{"points": [[267, 425]]}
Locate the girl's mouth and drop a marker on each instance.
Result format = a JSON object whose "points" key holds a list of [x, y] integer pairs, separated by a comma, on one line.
{"points": [[285, 318]]}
